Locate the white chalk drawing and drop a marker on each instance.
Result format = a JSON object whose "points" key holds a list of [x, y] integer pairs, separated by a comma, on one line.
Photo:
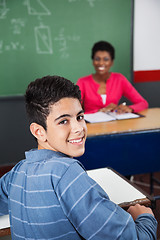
{"points": [[62, 40], [91, 2], [3, 9], [36, 7], [42, 33], [43, 40], [11, 46], [15, 46], [17, 25]]}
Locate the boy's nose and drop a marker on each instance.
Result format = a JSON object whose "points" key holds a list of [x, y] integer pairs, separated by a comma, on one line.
{"points": [[77, 127]]}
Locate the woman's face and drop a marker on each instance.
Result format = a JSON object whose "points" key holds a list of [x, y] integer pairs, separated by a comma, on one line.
{"points": [[102, 62]]}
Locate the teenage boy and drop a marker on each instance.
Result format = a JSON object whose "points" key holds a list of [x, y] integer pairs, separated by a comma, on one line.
{"points": [[49, 195]]}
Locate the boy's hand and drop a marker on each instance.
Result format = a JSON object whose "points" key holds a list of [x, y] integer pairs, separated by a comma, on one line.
{"points": [[137, 210]]}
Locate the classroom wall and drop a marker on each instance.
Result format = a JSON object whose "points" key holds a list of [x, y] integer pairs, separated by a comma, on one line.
{"points": [[14, 128], [146, 57], [150, 91]]}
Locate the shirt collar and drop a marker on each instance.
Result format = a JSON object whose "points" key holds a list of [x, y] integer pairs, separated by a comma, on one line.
{"points": [[37, 155]]}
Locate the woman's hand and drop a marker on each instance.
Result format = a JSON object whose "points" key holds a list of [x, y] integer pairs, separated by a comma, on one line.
{"points": [[110, 108], [137, 210], [123, 108]]}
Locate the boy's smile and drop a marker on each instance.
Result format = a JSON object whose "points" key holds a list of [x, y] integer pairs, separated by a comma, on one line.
{"points": [[66, 128]]}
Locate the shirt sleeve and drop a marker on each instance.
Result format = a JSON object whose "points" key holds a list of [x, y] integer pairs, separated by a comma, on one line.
{"points": [[91, 212], [139, 103], [146, 226], [4, 194]]}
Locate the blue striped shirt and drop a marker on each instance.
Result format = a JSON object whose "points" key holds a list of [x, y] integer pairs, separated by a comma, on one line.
{"points": [[50, 196]]}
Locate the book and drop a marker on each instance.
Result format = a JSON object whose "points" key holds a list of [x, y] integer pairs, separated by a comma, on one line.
{"points": [[119, 189], [110, 116]]}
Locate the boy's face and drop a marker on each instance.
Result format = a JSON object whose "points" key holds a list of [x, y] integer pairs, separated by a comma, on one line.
{"points": [[66, 128]]}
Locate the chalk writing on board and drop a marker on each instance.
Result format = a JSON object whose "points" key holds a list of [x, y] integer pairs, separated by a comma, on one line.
{"points": [[42, 33], [3, 9], [63, 42], [17, 24], [91, 2], [43, 40], [36, 7], [14, 46]]}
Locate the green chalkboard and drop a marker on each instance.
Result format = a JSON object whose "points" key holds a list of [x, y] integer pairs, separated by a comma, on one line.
{"points": [[46, 37]]}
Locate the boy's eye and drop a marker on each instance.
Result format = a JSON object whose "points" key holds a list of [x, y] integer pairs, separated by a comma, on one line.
{"points": [[63, 122], [80, 117]]}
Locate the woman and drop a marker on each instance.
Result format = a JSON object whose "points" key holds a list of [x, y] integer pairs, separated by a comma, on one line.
{"points": [[103, 90]]}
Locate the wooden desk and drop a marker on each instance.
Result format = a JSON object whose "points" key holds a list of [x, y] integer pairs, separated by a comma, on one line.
{"points": [[129, 146]]}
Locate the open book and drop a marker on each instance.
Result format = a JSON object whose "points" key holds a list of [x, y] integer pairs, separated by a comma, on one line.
{"points": [[110, 116], [119, 189]]}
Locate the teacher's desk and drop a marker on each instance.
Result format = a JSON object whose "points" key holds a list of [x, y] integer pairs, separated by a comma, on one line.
{"points": [[130, 146]]}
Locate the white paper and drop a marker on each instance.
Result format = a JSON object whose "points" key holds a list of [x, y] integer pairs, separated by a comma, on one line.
{"points": [[106, 117], [4, 221], [98, 117], [123, 115], [118, 190]]}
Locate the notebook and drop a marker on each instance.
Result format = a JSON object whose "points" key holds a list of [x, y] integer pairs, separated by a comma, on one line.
{"points": [[111, 116], [118, 188]]}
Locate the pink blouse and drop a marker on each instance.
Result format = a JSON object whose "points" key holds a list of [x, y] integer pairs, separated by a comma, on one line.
{"points": [[116, 87]]}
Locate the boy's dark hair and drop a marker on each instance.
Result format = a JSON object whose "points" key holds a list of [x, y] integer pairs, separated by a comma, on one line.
{"points": [[103, 46], [43, 92]]}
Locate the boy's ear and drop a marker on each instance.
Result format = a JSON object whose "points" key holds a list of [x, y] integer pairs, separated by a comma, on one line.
{"points": [[38, 132]]}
